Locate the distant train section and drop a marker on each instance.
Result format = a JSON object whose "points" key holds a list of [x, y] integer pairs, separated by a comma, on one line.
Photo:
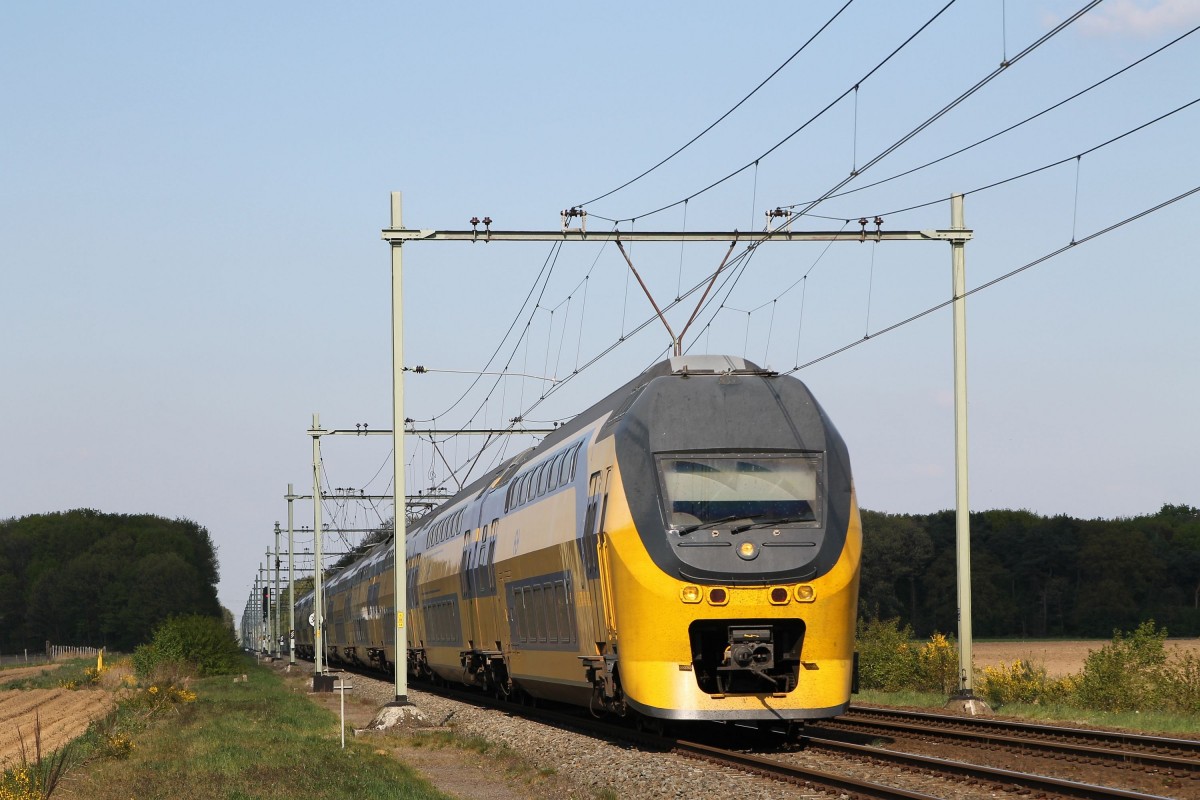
{"points": [[686, 549]]}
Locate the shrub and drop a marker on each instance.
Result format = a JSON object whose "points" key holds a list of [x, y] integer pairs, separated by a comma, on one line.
{"points": [[1123, 675], [1023, 682], [937, 665], [202, 644], [886, 659], [1178, 684], [890, 661]]}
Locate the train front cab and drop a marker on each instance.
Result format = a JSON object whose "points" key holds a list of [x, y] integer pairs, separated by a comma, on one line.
{"points": [[729, 620], [676, 635]]}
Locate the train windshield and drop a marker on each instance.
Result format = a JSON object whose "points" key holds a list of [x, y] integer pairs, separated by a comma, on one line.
{"points": [[705, 489]]}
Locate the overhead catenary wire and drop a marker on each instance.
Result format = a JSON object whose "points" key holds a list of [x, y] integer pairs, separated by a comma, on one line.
{"points": [[953, 104], [1006, 130], [551, 258], [628, 334], [625, 335], [1052, 164], [1029, 265], [720, 119], [791, 135]]}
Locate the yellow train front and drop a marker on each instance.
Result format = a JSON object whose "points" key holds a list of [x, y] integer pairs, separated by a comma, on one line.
{"points": [[688, 549]]}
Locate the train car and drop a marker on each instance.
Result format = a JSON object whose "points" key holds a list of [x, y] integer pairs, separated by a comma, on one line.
{"points": [[686, 549]]}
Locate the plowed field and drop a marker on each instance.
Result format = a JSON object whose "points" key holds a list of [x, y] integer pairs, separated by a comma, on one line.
{"points": [[1059, 658], [63, 714]]}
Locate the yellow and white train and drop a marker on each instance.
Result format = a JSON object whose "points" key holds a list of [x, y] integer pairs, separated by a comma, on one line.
{"points": [[687, 548]]}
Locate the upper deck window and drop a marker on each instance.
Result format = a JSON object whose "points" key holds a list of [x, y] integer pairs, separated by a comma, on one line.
{"points": [[701, 489]]}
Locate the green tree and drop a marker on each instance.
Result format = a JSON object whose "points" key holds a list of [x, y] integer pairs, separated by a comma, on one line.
{"points": [[83, 577], [896, 552]]}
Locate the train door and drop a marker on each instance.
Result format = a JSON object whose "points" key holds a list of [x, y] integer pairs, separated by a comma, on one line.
{"points": [[610, 611], [491, 629], [589, 551], [469, 586]]}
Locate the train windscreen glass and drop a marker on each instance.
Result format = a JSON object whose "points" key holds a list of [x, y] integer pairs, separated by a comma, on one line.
{"points": [[703, 489]]}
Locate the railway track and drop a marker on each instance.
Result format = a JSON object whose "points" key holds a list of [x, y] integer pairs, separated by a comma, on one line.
{"points": [[769, 754], [765, 755], [1178, 758]]}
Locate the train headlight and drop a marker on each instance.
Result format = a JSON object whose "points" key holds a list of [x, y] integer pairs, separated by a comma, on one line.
{"points": [[747, 550], [718, 596], [805, 594], [690, 594], [778, 595]]}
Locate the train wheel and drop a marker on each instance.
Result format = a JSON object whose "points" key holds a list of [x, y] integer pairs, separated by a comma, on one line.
{"points": [[794, 735], [651, 725]]}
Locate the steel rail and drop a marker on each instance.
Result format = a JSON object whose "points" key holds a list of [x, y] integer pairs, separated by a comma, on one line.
{"points": [[1132, 742], [1004, 778], [1119, 757]]}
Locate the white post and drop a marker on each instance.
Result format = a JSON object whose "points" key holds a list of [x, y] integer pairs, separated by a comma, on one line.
{"points": [[962, 508], [400, 646], [342, 687]]}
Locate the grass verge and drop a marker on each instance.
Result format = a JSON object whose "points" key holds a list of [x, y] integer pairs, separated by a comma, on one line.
{"points": [[1145, 721], [256, 739]]}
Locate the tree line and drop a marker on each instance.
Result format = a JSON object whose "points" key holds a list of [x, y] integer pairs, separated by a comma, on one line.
{"points": [[1035, 576], [85, 577], [89, 578]]}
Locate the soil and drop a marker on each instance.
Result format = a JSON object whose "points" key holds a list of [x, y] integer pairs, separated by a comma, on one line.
{"points": [[1059, 658], [20, 673], [48, 718]]}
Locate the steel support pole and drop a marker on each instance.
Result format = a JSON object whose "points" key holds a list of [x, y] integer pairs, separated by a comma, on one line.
{"points": [[275, 630], [267, 603], [318, 575], [400, 645], [962, 527], [258, 616], [291, 583]]}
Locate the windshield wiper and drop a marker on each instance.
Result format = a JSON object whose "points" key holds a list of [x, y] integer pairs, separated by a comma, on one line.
{"points": [[711, 522], [768, 522]]}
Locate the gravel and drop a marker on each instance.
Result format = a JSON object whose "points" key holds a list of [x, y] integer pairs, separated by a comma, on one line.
{"points": [[594, 766]]}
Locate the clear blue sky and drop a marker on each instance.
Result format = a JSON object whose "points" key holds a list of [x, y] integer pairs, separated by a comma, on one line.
{"points": [[191, 198]]}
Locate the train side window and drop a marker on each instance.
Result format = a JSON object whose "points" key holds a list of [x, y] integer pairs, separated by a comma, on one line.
{"points": [[556, 470], [563, 607], [564, 468], [539, 612], [541, 480], [550, 598], [523, 622]]}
